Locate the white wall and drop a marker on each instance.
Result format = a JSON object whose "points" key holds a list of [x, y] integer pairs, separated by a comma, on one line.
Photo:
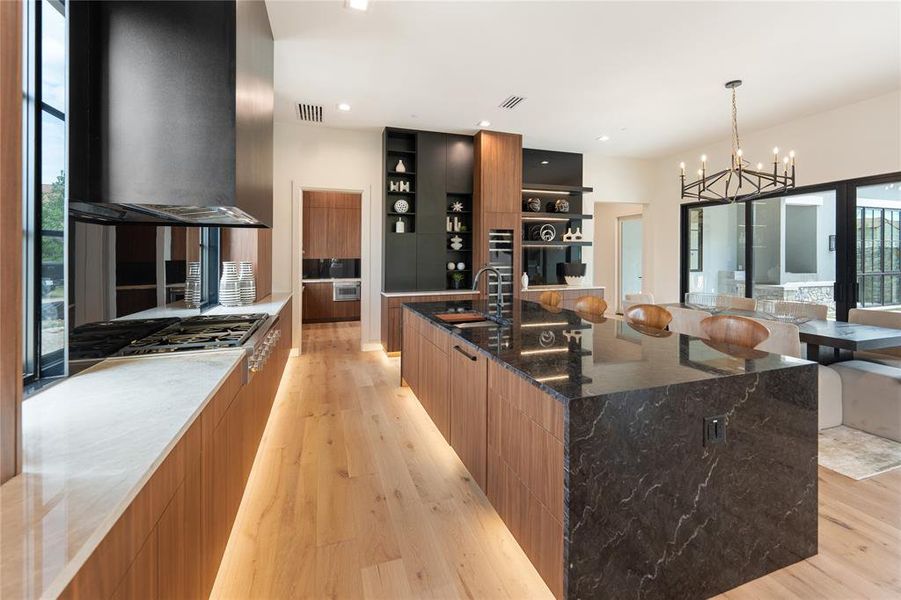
{"points": [[621, 186], [313, 157], [851, 141]]}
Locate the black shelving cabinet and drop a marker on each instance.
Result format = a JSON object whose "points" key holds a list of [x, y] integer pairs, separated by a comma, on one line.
{"points": [[438, 171], [550, 176]]}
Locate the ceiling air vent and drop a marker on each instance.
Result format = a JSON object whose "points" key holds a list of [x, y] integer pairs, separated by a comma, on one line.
{"points": [[511, 102], [311, 113]]}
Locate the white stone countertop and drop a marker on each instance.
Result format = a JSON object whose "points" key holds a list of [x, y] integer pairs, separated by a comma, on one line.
{"points": [[541, 288], [342, 280], [91, 442], [436, 293], [271, 304]]}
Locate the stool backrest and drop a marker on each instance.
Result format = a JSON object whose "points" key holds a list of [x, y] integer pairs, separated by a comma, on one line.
{"points": [[737, 331], [649, 315]]}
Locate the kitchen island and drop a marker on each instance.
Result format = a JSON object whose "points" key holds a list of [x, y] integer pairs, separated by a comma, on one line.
{"points": [[625, 462]]}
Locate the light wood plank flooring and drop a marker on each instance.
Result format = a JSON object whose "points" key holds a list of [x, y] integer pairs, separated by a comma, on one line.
{"points": [[355, 494]]}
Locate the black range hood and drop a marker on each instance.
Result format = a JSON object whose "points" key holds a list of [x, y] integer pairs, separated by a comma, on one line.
{"points": [[170, 112]]}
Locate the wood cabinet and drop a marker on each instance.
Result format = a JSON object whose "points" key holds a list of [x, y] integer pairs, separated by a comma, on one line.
{"points": [[506, 431], [392, 314], [451, 382], [318, 306], [331, 225], [469, 409], [170, 540]]}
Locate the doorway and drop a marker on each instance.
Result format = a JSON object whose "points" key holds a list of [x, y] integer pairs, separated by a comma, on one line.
{"points": [[331, 258], [630, 231]]}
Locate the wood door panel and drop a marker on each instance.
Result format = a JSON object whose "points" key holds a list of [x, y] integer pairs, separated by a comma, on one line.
{"points": [[469, 409], [433, 376], [315, 232]]}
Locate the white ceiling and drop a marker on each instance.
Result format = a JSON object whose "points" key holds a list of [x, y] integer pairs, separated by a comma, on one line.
{"points": [[648, 74]]}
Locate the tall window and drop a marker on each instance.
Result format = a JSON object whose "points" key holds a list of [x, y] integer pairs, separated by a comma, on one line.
{"points": [[45, 208]]}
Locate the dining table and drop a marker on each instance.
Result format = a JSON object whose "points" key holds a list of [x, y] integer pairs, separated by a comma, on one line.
{"points": [[839, 335]]}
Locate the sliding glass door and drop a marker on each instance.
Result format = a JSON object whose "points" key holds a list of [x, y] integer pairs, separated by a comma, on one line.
{"points": [[878, 245], [794, 248], [837, 244]]}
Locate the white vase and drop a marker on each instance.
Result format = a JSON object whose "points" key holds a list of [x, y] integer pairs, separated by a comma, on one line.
{"points": [[525, 281], [229, 292], [399, 227], [192, 285], [247, 283], [578, 234], [400, 168]]}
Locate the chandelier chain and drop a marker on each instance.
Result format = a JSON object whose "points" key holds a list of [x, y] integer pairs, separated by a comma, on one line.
{"points": [[736, 142]]}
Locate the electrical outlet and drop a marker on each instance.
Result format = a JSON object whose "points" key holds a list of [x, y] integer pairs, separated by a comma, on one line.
{"points": [[714, 430]]}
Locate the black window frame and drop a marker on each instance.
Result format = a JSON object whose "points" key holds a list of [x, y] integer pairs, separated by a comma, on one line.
{"points": [[846, 290], [38, 367]]}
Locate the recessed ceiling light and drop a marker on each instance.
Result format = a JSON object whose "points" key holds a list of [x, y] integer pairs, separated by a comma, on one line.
{"points": [[484, 123], [544, 162], [344, 106], [357, 4], [602, 138]]}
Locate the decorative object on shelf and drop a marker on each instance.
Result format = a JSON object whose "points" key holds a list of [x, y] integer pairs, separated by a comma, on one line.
{"points": [[739, 182], [400, 226], [573, 280], [548, 233], [561, 205], [229, 292], [573, 336], [533, 204], [393, 186], [453, 225], [247, 283], [457, 280], [547, 338], [404, 186], [401, 206], [578, 234], [456, 243], [457, 206], [192, 285], [451, 266], [461, 266], [535, 232], [525, 280], [568, 236], [400, 167], [574, 268]]}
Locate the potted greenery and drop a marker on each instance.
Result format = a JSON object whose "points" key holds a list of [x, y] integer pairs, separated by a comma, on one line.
{"points": [[457, 280]]}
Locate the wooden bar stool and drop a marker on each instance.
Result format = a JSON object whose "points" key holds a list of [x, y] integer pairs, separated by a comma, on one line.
{"points": [[648, 315], [550, 298], [591, 305], [735, 331]]}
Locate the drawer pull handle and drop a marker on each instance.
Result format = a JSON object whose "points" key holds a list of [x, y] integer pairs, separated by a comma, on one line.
{"points": [[466, 354]]}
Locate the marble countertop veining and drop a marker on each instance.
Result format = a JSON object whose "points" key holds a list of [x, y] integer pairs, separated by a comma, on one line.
{"points": [[91, 443], [573, 359]]}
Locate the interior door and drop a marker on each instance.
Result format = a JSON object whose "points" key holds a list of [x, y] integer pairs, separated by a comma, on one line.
{"points": [[630, 245]]}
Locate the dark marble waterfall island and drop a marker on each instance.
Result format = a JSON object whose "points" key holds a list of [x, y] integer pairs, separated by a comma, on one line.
{"points": [[654, 505]]}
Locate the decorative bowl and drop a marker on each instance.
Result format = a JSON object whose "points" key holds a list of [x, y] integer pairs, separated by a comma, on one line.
{"points": [[573, 280]]}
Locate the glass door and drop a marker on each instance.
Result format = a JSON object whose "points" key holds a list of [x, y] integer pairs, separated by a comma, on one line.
{"points": [[794, 248], [877, 247]]}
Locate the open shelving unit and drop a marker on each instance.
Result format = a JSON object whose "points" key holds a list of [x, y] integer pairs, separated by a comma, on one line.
{"points": [[464, 254], [541, 258], [437, 172]]}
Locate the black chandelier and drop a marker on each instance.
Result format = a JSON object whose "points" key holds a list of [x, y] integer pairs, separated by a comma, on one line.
{"points": [[739, 182]]}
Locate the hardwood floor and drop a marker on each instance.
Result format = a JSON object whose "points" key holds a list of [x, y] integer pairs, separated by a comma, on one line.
{"points": [[355, 494]]}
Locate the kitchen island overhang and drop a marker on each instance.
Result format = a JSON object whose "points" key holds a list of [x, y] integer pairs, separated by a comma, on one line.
{"points": [[654, 504]]}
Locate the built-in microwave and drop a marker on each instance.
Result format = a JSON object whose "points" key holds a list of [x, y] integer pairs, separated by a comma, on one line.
{"points": [[345, 291]]}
